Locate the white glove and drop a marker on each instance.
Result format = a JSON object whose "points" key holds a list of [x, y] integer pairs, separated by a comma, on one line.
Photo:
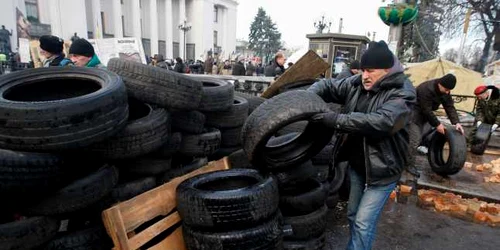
{"points": [[494, 127], [478, 123]]}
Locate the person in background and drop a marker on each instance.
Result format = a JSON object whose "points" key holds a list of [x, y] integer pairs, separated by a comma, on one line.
{"points": [[353, 69], [374, 134], [487, 108], [430, 95], [51, 48], [82, 54], [74, 37], [276, 67], [250, 69], [160, 61], [238, 68], [179, 66], [209, 65]]}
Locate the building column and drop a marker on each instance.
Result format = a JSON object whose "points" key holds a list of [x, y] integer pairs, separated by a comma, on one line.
{"points": [[182, 17], [136, 19], [223, 45], [153, 20], [117, 19], [55, 20], [97, 22], [169, 34]]}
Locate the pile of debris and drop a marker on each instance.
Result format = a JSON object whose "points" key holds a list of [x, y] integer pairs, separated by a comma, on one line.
{"points": [[492, 168]]}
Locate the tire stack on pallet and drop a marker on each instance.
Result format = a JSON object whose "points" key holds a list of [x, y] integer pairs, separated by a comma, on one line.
{"points": [[231, 209], [287, 157]]}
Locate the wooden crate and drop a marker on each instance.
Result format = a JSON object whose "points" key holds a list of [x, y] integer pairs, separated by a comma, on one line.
{"points": [[122, 219]]}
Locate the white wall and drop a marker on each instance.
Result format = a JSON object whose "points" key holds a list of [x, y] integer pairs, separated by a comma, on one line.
{"points": [[145, 19], [230, 30], [161, 21], [44, 11], [127, 16], [175, 12], [72, 19]]}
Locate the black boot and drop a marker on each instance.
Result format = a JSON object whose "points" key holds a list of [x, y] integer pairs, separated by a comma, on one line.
{"points": [[414, 171]]}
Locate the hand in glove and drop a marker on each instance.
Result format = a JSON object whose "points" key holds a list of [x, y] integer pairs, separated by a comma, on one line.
{"points": [[329, 119], [494, 127], [478, 123]]}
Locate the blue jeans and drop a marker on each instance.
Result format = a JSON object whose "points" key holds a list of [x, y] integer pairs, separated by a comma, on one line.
{"points": [[363, 210]]}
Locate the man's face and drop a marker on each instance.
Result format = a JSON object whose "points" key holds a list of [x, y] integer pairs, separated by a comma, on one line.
{"points": [[443, 90], [45, 54], [355, 71], [80, 60], [483, 96], [371, 76], [281, 60]]}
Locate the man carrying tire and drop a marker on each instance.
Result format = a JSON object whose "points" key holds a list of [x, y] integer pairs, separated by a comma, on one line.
{"points": [[430, 95], [373, 123], [82, 54], [487, 108]]}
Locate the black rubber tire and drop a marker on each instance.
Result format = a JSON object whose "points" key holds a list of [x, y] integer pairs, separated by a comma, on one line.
{"points": [[303, 85], [230, 137], [457, 152], [253, 101], [295, 175], [312, 244], [238, 159], [217, 95], [227, 200], [146, 131], [307, 226], [28, 233], [128, 190], [324, 157], [155, 85], [332, 200], [145, 166], [480, 141], [79, 194], [170, 147], [27, 173], [322, 172], [40, 111], [296, 127], [273, 115], [302, 199], [191, 122], [94, 238], [231, 118], [222, 152], [182, 170], [265, 236], [201, 145]]}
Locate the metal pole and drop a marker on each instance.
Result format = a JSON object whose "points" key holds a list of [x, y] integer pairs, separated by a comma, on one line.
{"points": [[185, 47], [395, 33], [464, 36]]}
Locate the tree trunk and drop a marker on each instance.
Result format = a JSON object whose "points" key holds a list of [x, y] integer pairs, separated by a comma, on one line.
{"points": [[486, 52]]}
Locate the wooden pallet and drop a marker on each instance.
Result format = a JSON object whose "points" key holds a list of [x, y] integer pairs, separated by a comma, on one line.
{"points": [[122, 219]]}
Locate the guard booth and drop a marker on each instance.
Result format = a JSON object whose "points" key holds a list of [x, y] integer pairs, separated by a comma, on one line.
{"points": [[337, 49]]}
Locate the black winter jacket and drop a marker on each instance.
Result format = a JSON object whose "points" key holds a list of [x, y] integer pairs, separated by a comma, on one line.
{"points": [[428, 99], [274, 69], [384, 127]]}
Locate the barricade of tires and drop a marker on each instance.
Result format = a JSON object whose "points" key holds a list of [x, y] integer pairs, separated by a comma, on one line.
{"points": [[230, 209], [74, 141]]}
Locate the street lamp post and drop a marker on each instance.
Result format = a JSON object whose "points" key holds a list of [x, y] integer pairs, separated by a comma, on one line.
{"points": [[185, 27]]}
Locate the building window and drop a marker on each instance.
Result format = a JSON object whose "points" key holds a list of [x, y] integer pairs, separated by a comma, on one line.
{"points": [[32, 10], [103, 23], [215, 38], [140, 3], [121, 1], [216, 14]]}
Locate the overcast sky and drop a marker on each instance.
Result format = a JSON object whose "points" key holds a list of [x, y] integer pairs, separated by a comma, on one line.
{"points": [[295, 18]]}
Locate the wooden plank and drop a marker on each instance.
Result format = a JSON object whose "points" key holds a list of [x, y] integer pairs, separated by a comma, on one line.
{"points": [[174, 241], [149, 233], [309, 66], [128, 215]]}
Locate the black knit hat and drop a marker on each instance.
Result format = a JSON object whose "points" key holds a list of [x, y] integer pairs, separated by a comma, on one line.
{"points": [[51, 44], [448, 81], [82, 47], [377, 56], [355, 65]]}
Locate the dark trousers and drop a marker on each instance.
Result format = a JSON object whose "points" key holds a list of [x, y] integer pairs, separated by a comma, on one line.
{"points": [[415, 128]]}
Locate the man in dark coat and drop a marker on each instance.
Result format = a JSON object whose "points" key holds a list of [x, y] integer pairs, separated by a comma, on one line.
{"points": [[179, 66], [276, 68], [209, 65], [487, 108], [374, 134], [250, 69], [238, 68], [353, 69], [430, 95]]}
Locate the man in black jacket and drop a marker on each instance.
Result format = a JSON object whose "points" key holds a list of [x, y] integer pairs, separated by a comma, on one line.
{"points": [[377, 106], [276, 68], [430, 95]]}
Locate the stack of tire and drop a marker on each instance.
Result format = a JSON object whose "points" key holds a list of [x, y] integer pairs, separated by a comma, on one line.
{"points": [[287, 157], [230, 209]]}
